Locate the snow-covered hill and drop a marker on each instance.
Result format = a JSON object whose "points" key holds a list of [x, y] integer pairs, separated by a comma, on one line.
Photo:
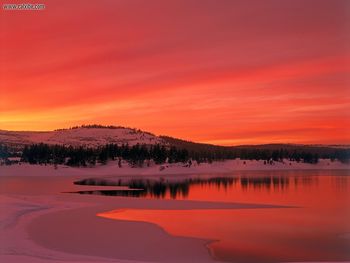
{"points": [[80, 136]]}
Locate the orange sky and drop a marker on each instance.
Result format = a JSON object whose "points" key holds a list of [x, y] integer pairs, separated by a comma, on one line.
{"points": [[224, 72]]}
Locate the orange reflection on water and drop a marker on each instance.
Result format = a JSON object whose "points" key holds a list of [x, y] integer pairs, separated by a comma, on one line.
{"points": [[316, 229]]}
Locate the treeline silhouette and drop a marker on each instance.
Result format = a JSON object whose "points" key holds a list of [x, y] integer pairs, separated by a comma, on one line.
{"points": [[4, 152], [181, 188], [140, 155], [153, 188], [136, 155], [99, 126], [270, 152]]}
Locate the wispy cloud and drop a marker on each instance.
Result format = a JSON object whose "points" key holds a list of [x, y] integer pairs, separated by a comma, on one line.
{"points": [[229, 72]]}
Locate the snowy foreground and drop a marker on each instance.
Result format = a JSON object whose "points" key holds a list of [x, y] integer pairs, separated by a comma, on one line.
{"points": [[39, 223]]}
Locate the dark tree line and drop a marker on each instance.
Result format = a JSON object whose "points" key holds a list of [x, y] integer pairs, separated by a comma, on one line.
{"points": [[298, 155], [136, 155], [276, 152], [98, 126], [257, 154], [4, 151]]}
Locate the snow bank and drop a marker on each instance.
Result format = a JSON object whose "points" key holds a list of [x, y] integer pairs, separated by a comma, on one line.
{"points": [[112, 168]]}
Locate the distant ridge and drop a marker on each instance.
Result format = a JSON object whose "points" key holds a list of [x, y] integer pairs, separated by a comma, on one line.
{"points": [[91, 126], [94, 135], [85, 135], [271, 146], [99, 139], [99, 126]]}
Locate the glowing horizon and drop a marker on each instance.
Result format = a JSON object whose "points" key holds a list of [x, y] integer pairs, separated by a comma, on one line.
{"points": [[221, 72]]}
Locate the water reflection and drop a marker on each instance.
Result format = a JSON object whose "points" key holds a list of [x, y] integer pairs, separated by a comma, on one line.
{"points": [[126, 193], [315, 228], [163, 188], [280, 182]]}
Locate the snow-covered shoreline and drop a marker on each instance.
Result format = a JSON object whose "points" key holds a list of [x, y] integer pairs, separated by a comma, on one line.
{"points": [[38, 222], [112, 168]]}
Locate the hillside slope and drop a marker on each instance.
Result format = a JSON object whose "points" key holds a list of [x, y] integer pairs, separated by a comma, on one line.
{"points": [[97, 135], [80, 136], [241, 150]]}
